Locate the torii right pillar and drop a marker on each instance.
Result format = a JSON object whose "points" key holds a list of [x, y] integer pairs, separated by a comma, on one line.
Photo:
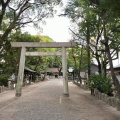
{"points": [[65, 76]]}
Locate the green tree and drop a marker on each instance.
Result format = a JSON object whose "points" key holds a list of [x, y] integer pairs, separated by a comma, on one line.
{"points": [[15, 14], [109, 12], [36, 63], [101, 83], [77, 59], [11, 56], [80, 13], [98, 19]]}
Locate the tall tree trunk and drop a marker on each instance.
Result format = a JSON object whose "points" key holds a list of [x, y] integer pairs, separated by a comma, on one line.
{"points": [[88, 49], [107, 49], [74, 75], [60, 69], [104, 67], [115, 80], [80, 63], [99, 64]]}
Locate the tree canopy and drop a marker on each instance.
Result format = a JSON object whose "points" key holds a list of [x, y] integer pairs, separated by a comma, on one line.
{"points": [[15, 14], [98, 23]]}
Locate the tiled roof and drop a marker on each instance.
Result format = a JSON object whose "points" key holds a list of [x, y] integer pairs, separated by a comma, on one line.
{"points": [[28, 69], [52, 70]]}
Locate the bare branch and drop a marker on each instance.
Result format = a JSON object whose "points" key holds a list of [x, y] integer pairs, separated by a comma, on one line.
{"points": [[114, 55], [4, 5], [99, 35], [23, 8], [7, 2], [76, 34]]}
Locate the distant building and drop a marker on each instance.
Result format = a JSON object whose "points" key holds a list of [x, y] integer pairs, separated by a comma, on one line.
{"points": [[29, 75], [117, 72], [28, 70], [93, 69], [52, 72]]}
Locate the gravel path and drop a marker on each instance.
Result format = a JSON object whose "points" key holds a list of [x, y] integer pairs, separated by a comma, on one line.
{"points": [[44, 101]]}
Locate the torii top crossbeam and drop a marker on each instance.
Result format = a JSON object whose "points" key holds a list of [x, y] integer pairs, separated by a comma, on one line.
{"points": [[44, 44]]}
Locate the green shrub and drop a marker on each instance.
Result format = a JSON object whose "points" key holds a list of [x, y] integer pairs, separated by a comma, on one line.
{"points": [[4, 79], [100, 82], [51, 73]]}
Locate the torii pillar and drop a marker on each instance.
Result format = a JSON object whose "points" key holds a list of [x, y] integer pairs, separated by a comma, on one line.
{"points": [[20, 73], [23, 45], [65, 76]]}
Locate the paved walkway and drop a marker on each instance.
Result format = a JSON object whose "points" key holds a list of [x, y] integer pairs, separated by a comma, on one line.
{"points": [[44, 101]]}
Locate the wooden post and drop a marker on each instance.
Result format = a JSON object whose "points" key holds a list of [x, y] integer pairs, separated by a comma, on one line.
{"points": [[20, 73], [65, 77]]}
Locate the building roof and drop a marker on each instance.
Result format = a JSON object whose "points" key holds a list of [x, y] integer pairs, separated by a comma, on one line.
{"points": [[117, 66], [52, 70], [28, 69], [94, 64]]}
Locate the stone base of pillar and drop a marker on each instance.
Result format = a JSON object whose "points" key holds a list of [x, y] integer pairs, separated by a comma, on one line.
{"points": [[65, 95], [1, 89], [118, 105], [18, 94]]}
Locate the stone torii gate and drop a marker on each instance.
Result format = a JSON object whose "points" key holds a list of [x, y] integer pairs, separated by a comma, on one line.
{"points": [[24, 45]]}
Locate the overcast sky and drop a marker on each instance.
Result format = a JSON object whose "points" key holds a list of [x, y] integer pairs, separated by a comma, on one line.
{"points": [[56, 28]]}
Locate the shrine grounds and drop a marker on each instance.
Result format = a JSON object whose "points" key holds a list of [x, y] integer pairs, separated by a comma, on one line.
{"points": [[45, 101]]}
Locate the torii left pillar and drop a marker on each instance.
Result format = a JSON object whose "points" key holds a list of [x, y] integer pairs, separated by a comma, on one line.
{"points": [[65, 76], [20, 73]]}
